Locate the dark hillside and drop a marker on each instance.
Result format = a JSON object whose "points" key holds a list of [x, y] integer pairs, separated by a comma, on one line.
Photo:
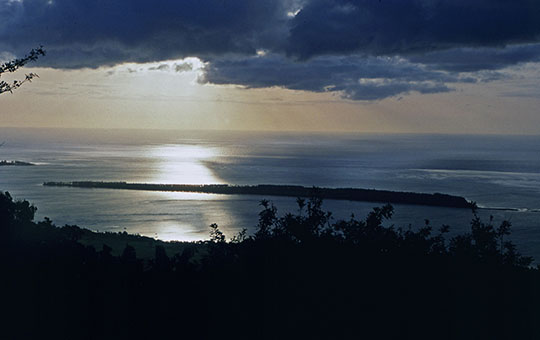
{"points": [[300, 276]]}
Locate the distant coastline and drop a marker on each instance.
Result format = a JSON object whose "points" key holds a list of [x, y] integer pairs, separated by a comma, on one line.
{"points": [[15, 163], [350, 194]]}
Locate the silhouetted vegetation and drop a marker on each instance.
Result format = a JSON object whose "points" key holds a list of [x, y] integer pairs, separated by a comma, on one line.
{"points": [[14, 65], [350, 194], [300, 275]]}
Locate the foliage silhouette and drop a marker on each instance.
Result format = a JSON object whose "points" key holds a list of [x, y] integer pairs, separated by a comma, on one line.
{"points": [[300, 275], [14, 65]]}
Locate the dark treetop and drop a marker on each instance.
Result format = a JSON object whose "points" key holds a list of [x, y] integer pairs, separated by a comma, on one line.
{"points": [[299, 276]]}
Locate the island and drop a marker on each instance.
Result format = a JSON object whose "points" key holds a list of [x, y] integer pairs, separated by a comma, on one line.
{"points": [[15, 163], [350, 194]]}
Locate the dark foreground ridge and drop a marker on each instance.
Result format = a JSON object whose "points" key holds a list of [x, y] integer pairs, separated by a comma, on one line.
{"points": [[299, 275], [350, 194]]}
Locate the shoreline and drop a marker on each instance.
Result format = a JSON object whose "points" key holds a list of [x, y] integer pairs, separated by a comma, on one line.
{"points": [[349, 194]]}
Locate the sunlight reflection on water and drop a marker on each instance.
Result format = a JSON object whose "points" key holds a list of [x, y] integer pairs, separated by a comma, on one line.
{"points": [[495, 171], [183, 164], [174, 230]]}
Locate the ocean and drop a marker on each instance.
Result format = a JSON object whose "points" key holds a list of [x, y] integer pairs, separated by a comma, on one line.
{"points": [[500, 173]]}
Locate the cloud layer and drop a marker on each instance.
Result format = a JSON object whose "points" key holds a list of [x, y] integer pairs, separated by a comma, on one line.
{"points": [[355, 77], [365, 49], [92, 33], [410, 26]]}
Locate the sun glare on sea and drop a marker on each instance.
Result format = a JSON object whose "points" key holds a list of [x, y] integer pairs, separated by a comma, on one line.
{"points": [[183, 164], [177, 231]]}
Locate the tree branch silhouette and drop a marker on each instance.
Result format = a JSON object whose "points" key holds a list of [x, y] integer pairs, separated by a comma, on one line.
{"points": [[14, 65]]}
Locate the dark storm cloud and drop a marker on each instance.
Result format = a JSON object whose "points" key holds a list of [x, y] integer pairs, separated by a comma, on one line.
{"points": [[408, 27], [81, 33], [312, 45], [91, 33], [475, 59], [355, 77], [390, 88]]}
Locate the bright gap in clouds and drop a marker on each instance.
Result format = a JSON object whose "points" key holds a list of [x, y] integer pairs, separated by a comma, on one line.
{"points": [[187, 65], [164, 80]]}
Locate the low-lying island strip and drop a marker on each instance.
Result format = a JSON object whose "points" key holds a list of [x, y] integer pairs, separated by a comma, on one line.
{"points": [[350, 194], [14, 163]]}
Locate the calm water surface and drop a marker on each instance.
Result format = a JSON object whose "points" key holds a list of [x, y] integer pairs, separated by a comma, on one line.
{"points": [[494, 171]]}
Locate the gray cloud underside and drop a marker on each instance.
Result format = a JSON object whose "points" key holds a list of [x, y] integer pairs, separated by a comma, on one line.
{"points": [[92, 33], [354, 77], [476, 59], [337, 45]]}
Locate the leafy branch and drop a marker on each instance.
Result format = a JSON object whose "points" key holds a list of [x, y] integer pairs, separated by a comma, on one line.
{"points": [[14, 65]]}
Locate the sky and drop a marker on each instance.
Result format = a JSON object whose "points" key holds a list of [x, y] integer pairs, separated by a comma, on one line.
{"points": [[419, 66]]}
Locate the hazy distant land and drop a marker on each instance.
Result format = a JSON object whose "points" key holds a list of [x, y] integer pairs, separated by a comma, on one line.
{"points": [[350, 194], [15, 163]]}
